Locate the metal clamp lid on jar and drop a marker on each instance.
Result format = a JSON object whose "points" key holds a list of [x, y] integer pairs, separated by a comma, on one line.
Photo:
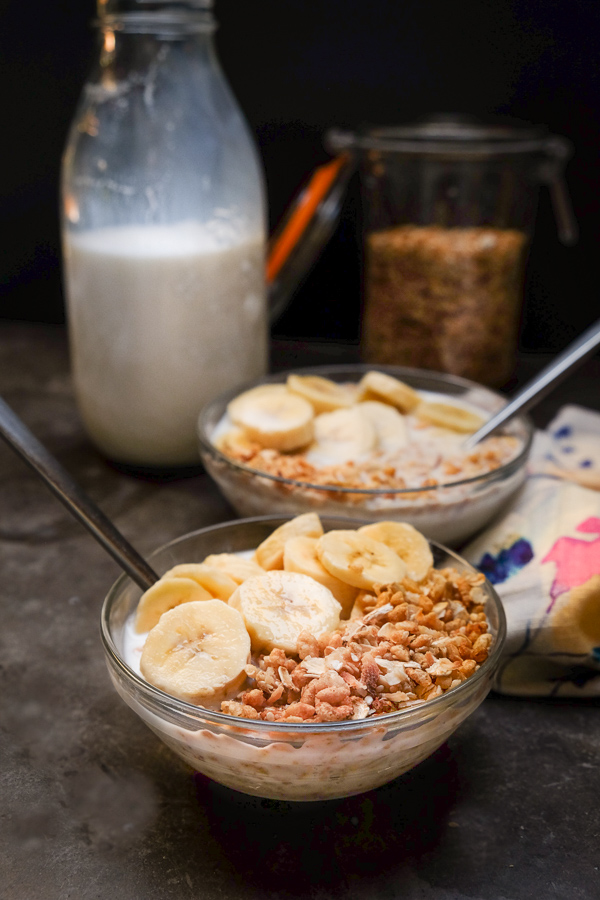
{"points": [[465, 139]]}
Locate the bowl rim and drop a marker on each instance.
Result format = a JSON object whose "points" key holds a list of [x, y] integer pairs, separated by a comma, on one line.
{"points": [[237, 723], [498, 474]]}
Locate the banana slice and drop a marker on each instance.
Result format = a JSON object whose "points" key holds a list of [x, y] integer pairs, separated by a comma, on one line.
{"points": [[164, 595], [197, 652], [269, 554], [390, 429], [274, 417], [341, 436], [576, 618], [386, 388], [277, 606], [300, 555], [446, 415], [233, 565], [358, 559], [323, 394], [411, 546], [218, 584]]}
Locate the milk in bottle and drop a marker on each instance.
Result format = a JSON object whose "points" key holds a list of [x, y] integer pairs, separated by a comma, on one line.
{"points": [[165, 318]]}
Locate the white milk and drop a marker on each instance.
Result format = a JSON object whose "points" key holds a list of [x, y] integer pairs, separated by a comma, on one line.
{"points": [[161, 320]]}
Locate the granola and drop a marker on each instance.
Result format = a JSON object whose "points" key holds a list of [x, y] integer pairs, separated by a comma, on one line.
{"points": [[444, 298], [411, 643], [430, 459]]}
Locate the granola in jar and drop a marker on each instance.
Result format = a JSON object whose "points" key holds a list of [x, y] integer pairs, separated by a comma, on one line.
{"points": [[447, 299]]}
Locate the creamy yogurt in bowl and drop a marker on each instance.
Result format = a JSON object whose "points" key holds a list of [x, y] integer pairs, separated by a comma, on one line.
{"points": [[427, 480], [287, 758]]}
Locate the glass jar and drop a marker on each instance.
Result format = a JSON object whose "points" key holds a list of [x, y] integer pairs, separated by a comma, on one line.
{"points": [[164, 234], [449, 212]]}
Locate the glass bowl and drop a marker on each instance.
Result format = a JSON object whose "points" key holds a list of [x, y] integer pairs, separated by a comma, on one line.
{"points": [[289, 761], [449, 513]]}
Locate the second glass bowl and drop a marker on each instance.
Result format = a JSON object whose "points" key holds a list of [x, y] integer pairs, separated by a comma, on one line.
{"points": [[449, 513]]}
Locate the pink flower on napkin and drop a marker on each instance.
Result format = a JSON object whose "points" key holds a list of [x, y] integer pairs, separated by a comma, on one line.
{"points": [[576, 560]]}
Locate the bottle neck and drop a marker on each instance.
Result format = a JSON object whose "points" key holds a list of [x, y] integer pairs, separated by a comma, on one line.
{"points": [[139, 45], [163, 18]]}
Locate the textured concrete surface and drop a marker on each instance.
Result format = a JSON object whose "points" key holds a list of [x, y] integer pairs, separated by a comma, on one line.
{"points": [[92, 805]]}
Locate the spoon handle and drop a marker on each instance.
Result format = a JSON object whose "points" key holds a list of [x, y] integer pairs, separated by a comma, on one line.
{"points": [[18, 436], [542, 384]]}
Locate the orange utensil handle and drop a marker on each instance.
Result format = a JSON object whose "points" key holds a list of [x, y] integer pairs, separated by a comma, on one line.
{"points": [[308, 202]]}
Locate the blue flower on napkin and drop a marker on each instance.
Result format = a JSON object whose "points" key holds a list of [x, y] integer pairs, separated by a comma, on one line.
{"points": [[507, 562]]}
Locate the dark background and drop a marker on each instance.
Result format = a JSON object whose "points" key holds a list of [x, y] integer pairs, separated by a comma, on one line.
{"points": [[298, 67]]}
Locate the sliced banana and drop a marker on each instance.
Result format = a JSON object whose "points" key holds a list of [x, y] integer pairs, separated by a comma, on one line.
{"points": [[274, 417], [389, 425], [323, 394], [277, 606], [164, 595], [341, 436], [197, 652], [575, 619], [358, 559], [379, 386], [218, 583], [411, 546], [300, 555], [269, 554], [233, 565], [446, 415]]}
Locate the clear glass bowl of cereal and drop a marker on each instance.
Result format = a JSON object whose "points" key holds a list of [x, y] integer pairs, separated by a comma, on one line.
{"points": [[405, 462], [296, 760]]}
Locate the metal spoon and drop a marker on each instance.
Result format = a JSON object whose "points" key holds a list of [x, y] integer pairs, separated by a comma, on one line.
{"points": [[543, 383], [18, 436]]}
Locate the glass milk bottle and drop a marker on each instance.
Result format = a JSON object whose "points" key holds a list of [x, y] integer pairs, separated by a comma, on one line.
{"points": [[164, 230]]}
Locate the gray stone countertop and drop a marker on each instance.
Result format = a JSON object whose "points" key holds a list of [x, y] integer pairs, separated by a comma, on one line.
{"points": [[93, 805]]}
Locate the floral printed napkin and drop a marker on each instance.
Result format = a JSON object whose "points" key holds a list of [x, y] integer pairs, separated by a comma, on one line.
{"points": [[543, 557]]}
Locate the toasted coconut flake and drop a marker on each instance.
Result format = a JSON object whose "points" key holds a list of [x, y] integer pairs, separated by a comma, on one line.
{"points": [[285, 677], [313, 665], [377, 613], [361, 708], [440, 667]]}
